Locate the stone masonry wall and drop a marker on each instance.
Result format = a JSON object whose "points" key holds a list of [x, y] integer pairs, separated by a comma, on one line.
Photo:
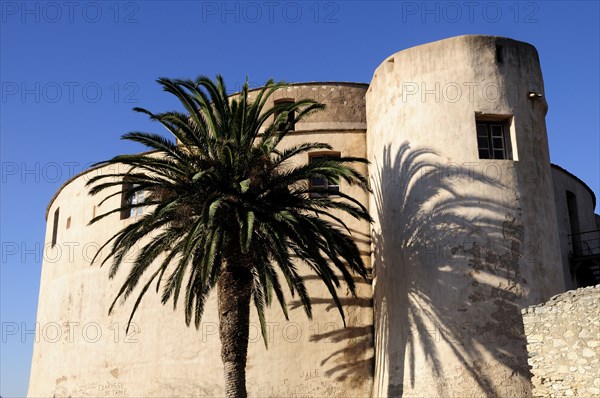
{"points": [[563, 341]]}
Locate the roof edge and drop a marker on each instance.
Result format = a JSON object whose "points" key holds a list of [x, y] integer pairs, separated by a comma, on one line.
{"points": [[313, 83], [557, 167]]}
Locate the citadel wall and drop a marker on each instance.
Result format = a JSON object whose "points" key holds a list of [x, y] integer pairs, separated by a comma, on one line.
{"points": [[459, 246], [81, 351], [563, 341]]}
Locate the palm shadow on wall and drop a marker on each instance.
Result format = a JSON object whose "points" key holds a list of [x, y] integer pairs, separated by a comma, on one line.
{"points": [[447, 275], [352, 363]]}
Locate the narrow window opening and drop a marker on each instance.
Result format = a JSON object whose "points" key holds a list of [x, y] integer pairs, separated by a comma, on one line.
{"points": [[573, 221], [322, 186], [573, 212], [499, 54], [492, 140], [290, 116], [68, 222], [55, 227]]}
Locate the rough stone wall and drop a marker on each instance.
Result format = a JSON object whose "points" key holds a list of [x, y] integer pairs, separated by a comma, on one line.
{"points": [[563, 340]]}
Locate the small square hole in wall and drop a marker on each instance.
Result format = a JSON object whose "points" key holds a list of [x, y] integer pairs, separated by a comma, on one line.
{"points": [[68, 222]]}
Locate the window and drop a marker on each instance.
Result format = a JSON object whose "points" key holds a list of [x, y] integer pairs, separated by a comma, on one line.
{"points": [[291, 115], [55, 226], [491, 140], [131, 198], [574, 223], [68, 222], [323, 185]]}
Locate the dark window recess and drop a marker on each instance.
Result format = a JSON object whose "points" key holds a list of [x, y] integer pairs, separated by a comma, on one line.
{"points": [[573, 212], [68, 222], [55, 227], [131, 198], [322, 185], [491, 140], [499, 54], [290, 116], [576, 244], [584, 274]]}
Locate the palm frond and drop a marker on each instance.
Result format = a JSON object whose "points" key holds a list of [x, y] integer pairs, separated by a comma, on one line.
{"points": [[223, 193]]}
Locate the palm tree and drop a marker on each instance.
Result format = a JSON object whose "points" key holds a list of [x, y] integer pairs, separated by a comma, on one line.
{"points": [[228, 207]]}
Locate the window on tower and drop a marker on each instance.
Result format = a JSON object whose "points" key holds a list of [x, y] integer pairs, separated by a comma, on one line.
{"points": [[131, 196], [322, 186], [55, 226], [493, 140], [290, 115]]}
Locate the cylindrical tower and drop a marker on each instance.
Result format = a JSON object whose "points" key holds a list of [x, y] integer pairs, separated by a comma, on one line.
{"points": [[465, 228], [578, 233], [81, 351]]}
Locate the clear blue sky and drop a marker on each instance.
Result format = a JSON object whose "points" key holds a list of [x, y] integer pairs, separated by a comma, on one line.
{"points": [[72, 71]]}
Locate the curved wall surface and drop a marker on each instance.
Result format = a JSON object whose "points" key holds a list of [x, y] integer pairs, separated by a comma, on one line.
{"points": [[577, 230], [81, 351], [461, 244], [470, 223]]}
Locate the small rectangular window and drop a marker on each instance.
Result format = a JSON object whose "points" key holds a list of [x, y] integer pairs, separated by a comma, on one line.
{"points": [[55, 227], [68, 222], [491, 140], [323, 186], [136, 199], [573, 212], [290, 116], [130, 197]]}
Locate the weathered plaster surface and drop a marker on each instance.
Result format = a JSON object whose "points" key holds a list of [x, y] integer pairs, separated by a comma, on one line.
{"points": [[459, 247], [81, 351], [460, 244]]}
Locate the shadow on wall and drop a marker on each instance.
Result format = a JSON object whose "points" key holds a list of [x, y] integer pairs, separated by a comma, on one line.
{"points": [[446, 262], [353, 363]]}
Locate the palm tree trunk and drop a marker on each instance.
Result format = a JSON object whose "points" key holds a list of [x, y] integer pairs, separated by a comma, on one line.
{"points": [[234, 291]]}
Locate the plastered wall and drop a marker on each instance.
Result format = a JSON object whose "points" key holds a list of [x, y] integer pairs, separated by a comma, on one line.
{"points": [[460, 244], [82, 351]]}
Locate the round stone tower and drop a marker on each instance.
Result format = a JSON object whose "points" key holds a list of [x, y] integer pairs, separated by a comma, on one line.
{"points": [[80, 350], [465, 228]]}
